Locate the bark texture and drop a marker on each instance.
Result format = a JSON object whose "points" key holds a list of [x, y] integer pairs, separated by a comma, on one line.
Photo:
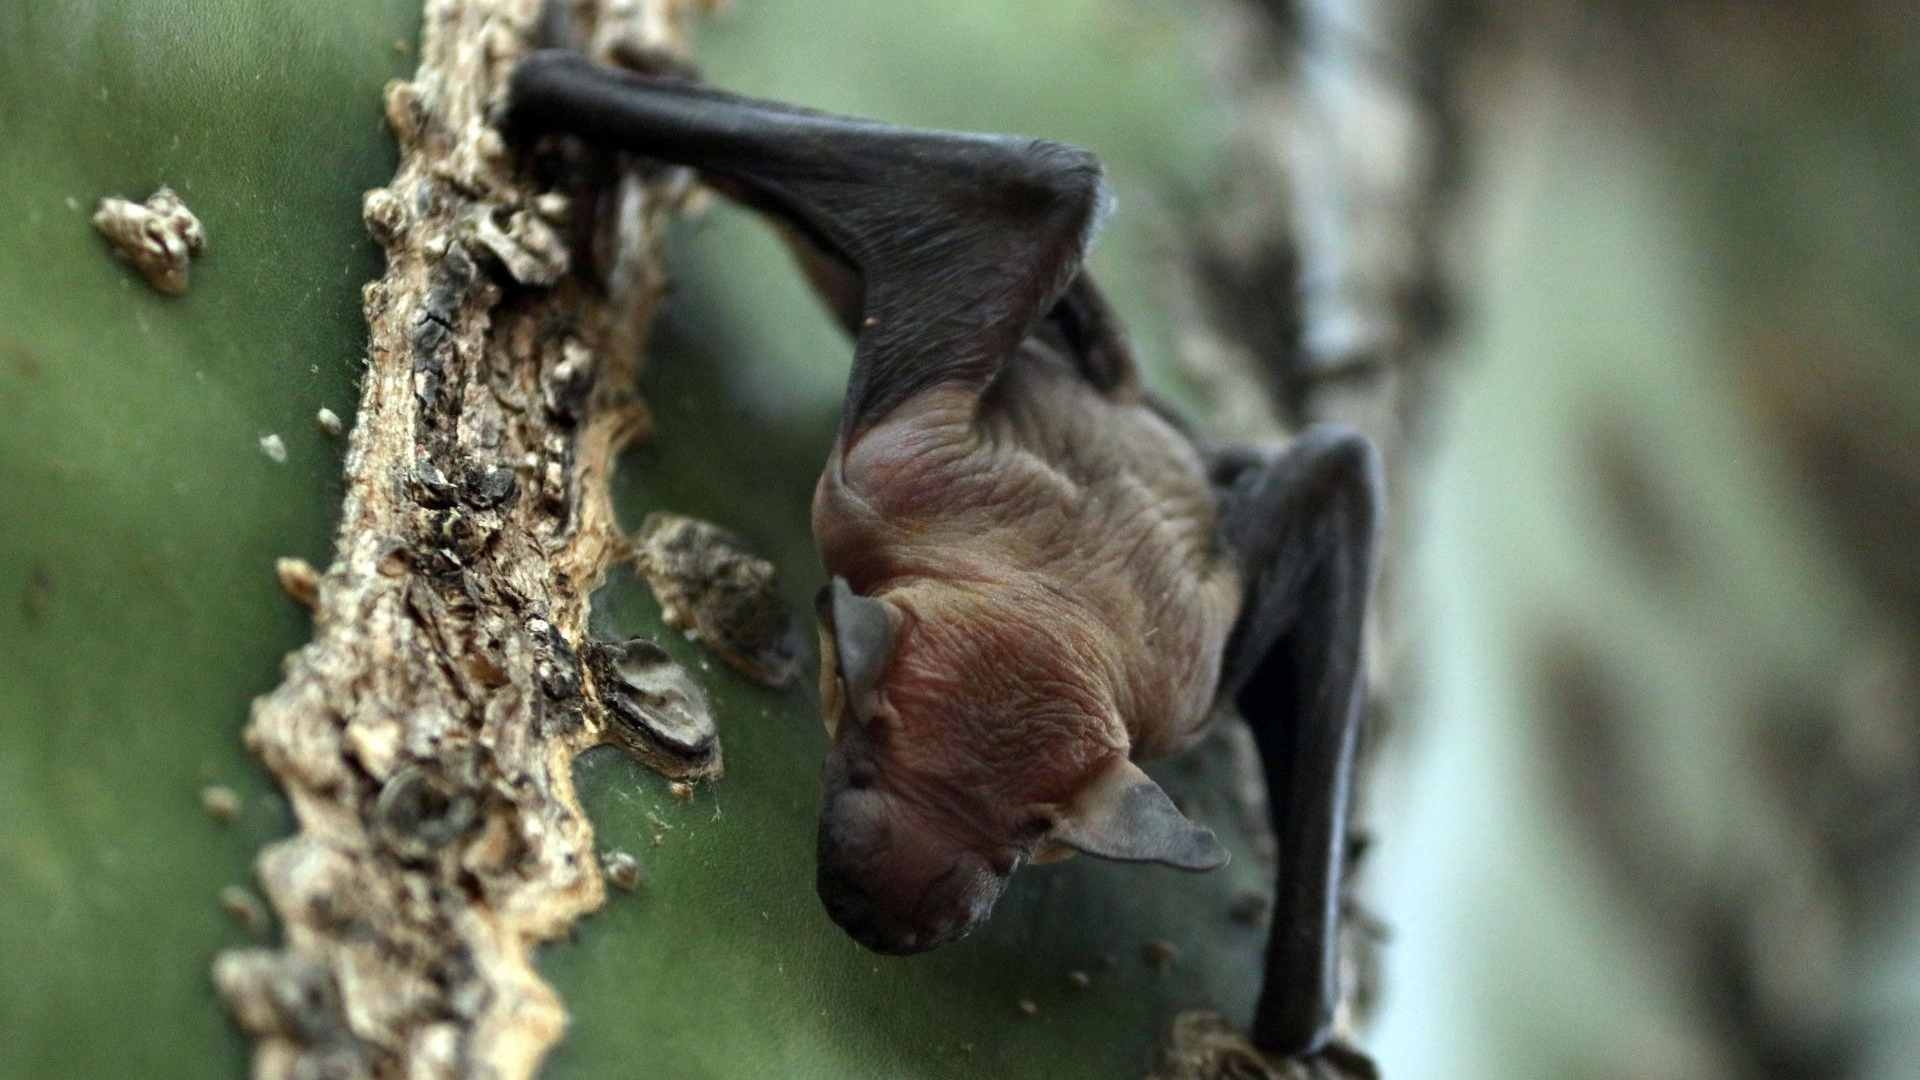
{"points": [[425, 737]]}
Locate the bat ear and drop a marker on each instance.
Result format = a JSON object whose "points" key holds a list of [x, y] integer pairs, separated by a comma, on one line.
{"points": [[862, 637], [1124, 815]]}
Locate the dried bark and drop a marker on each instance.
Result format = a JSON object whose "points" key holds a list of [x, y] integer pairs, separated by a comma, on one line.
{"points": [[425, 736]]}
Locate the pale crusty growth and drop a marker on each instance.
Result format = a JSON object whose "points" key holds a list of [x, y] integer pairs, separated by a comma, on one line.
{"points": [[1202, 1045], [711, 585], [425, 737], [160, 237]]}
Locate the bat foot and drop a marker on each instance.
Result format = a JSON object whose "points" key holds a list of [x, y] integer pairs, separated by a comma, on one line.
{"points": [[1205, 1046]]}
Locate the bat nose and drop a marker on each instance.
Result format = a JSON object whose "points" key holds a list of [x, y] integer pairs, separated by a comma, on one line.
{"points": [[854, 911], [847, 903]]}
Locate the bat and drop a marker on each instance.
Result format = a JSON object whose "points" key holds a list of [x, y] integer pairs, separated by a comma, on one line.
{"points": [[1038, 575]]}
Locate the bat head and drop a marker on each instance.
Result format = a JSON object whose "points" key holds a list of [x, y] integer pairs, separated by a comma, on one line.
{"points": [[917, 842], [895, 878], [897, 874]]}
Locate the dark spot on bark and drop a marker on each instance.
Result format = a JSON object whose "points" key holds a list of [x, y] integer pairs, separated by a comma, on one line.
{"points": [[453, 967], [429, 486], [309, 1000], [457, 533], [567, 385], [277, 993], [426, 199], [491, 487], [394, 559], [433, 328], [429, 610], [1249, 285], [418, 813], [433, 325], [557, 664], [452, 279], [439, 563], [470, 998], [429, 333]]}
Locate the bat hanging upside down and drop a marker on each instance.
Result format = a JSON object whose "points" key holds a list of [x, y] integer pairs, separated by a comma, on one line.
{"points": [[1037, 576]]}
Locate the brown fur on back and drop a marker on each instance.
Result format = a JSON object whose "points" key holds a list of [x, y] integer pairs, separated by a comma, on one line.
{"points": [[1056, 560]]}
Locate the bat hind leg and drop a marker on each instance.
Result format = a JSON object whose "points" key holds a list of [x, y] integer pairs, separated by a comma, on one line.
{"points": [[940, 250], [1304, 526]]}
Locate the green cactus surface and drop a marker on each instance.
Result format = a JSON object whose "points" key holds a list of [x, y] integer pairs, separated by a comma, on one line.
{"points": [[139, 611]]}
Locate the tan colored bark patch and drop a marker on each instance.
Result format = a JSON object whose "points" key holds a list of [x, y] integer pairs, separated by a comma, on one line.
{"points": [[1202, 1045], [425, 737]]}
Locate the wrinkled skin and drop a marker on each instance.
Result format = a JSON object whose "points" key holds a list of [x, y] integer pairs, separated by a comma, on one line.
{"points": [[1020, 556]]}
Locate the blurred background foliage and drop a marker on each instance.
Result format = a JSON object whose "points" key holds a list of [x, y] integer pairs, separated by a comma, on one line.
{"points": [[1649, 802], [1659, 807]]}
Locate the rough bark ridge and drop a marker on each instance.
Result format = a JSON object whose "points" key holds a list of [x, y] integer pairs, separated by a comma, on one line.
{"points": [[425, 737]]}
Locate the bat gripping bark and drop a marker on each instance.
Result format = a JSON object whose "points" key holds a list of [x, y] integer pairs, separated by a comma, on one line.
{"points": [[1006, 518]]}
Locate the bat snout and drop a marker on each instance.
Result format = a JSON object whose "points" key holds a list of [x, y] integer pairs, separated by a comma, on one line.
{"points": [[892, 887], [854, 911]]}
